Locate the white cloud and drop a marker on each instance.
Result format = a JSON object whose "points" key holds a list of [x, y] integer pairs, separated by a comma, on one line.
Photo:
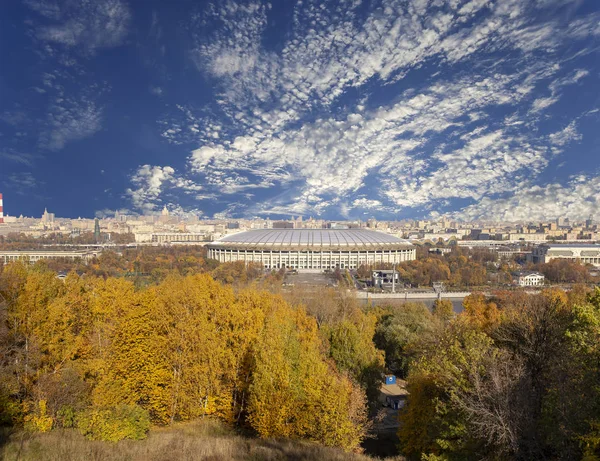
{"points": [[70, 120], [576, 200], [23, 183], [281, 117], [156, 90], [152, 181], [149, 181], [367, 203], [555, 87], [89, 25], [543, 103], [106, 213], [333, 156], [566, 135], [15, 156]]}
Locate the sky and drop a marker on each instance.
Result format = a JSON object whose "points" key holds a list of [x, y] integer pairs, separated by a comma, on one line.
{"points": [[347, 109]]}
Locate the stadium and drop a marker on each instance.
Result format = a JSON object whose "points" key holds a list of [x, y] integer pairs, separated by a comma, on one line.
{"points": [[314, 249]]}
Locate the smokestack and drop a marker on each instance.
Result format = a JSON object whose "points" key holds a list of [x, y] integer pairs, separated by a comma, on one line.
{"points": [[1, 211]]}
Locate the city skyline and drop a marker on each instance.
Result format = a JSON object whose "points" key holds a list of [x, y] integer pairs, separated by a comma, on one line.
{"points": [[164, 216], [341, 110]]}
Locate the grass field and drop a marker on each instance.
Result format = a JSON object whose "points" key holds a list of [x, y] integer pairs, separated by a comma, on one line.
{"points": [[200, 440]]}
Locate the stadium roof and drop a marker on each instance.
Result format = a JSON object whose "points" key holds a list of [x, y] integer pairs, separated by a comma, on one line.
{"points": [[340, 238]]}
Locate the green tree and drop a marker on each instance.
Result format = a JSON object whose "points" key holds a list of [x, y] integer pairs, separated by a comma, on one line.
{"points": [[398, 329]]}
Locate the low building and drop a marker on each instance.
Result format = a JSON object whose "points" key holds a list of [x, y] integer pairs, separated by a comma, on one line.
{"points": [[440, 251], [529, 279], [584, 253], [177, 237], [533, 237], [32, 256], [380, 278], [393, 393], [490, 244], [507, 252]]}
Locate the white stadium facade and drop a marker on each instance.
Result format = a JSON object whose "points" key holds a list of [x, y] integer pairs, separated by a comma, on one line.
{"points": [[314, 249]]}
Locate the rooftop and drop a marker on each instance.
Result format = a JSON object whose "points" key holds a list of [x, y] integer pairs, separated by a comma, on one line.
{"points": [[312, 238]]}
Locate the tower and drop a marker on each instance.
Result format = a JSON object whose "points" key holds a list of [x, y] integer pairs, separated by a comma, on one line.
{"points": [[97, 230], [47, 217], [1, 211]]}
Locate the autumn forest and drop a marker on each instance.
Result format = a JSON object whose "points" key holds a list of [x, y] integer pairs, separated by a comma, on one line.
{"points": [[111, 355]]}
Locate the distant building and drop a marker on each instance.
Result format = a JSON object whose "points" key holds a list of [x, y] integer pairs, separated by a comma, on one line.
{"points": [[283, 225], [384, 277], [335, 225], [529, 279], [589, 223], [440, 251], [490, 244], [509, 252], [97, 230], [120, 217], [32, 256], [533, 237], [584, 253], [178, 237], [47, 218]]}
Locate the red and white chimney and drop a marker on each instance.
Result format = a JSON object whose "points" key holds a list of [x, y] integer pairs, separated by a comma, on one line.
{"points": [[1, 211]]}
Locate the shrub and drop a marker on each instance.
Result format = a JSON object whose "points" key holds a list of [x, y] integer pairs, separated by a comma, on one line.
{"points": [[66, 416], [11, 412], [38, 420], [114, 424]]}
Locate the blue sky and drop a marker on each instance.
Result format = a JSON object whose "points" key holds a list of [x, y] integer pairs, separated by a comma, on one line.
{"points": [[475, 109]]}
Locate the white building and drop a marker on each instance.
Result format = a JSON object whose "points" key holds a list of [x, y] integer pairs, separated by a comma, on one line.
{"points": [[584, 253], [312, 248], [32, 256], [178, 237], [537, 237], [384, 277], [529, 279]]}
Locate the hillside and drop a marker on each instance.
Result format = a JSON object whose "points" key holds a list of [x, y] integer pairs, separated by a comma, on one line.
{"points": [[199, 440]]}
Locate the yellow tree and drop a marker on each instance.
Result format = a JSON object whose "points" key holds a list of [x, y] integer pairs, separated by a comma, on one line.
{"points": [[480, 312], [27, 314], [296, 393], [208, 332], [135, 371]]}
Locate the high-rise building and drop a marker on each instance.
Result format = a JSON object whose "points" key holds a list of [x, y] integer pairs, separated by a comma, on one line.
{"points": [[589, 222], [47, 217], [97, 230], [1, 210]]}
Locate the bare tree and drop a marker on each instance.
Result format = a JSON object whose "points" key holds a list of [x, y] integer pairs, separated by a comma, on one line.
{"points": [[495, 402]]}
